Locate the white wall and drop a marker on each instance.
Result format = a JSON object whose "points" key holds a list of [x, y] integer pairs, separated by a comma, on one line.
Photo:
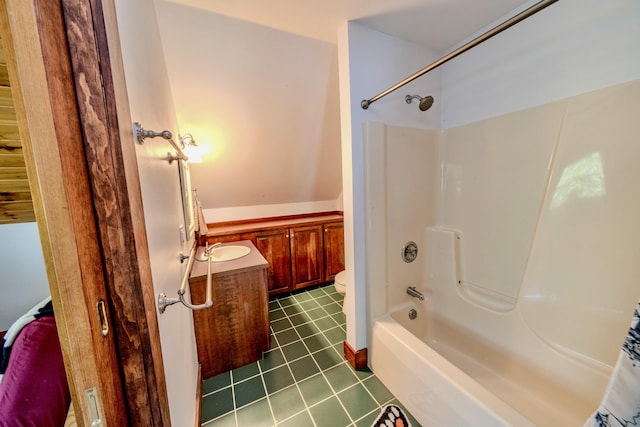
{"points": [[238, 213], [152, 105], [24, 280], [262, 103], [571, 47], [370, 62]]}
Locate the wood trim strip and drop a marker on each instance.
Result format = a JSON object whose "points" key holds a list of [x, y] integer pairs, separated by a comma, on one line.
{"points": [[357, 359], [198, 418], [273, 218]]}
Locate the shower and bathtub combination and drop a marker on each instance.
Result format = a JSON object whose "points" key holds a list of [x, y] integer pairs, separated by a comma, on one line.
{"points": [[526, 227]]}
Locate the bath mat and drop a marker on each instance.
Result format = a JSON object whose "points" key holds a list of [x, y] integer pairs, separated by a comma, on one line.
{"points": [[392, 416]]}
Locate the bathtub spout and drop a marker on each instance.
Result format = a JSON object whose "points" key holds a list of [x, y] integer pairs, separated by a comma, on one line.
{"points": [[411, 290]]}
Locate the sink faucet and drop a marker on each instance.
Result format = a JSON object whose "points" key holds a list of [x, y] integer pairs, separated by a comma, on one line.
{"points": [[411, 290], [206, 254], [208, 249]]}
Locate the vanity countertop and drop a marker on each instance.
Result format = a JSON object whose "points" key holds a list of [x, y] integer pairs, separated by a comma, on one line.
{"points": [[252, 261]]}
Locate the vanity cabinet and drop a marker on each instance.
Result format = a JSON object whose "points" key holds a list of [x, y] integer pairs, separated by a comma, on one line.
{"points": [[301, 252], [235, 330]]}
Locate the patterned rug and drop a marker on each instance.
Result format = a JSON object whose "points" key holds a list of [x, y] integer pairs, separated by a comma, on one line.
{"points": [[392, 416]]}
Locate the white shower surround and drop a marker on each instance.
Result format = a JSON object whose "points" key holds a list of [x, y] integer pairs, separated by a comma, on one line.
{"points": [[586, 45], [537, 210]]}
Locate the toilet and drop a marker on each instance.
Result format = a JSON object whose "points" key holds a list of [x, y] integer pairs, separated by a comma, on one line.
{"points": [[341, 285], [339, 282]]}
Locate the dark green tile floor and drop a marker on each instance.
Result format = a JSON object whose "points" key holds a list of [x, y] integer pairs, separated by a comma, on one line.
{"points": [[304, 379]]}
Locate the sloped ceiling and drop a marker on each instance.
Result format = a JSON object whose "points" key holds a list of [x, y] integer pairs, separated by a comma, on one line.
{"points": [[262, 103], [256, 83], [436, 24]]}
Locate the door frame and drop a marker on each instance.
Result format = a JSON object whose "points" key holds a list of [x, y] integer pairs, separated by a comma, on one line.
{"points": [[66, 69]]}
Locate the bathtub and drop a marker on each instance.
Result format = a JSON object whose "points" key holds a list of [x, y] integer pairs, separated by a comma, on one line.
{"points": [[446, 377]]}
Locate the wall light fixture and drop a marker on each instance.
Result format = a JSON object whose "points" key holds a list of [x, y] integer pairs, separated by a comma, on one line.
{"points": [[191, 148]]}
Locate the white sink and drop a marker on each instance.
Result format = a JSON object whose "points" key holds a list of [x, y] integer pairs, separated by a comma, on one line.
{"points": [[228, 253]]}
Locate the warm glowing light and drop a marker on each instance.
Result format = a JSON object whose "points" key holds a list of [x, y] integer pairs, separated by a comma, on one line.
{"points": [[191, 148], [583, 179], [210, 143], [194, 153]]}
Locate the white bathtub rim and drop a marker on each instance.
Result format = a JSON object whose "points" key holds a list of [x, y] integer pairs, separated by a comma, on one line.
{"points": [[483, 399], [598, 372]]}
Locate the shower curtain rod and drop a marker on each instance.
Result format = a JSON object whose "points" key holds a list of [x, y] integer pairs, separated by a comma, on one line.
{"points": [[484, 37]]}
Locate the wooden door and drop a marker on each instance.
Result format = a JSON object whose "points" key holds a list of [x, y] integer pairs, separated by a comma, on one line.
{"points": [[275, 248], [307, 266], [83, 175], [333, 249]]}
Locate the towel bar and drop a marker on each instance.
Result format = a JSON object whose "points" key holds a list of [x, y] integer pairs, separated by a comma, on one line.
{"points": [[164, 301]]}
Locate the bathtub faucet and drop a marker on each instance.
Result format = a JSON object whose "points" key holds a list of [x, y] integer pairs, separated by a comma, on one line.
{"points": [[411, 290]]}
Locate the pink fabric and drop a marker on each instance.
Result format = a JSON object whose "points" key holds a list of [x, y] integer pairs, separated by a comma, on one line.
{"points": [[34, 390]]}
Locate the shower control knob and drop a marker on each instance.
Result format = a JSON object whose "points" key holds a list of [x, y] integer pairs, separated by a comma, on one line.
{"points": [[409, 252]]}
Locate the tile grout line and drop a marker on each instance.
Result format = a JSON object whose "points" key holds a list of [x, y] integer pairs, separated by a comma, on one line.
{"points": [[360, 381], [345, 362], [295, 382], [322, 372], [233, 397], [264, 384], [309, 353]]}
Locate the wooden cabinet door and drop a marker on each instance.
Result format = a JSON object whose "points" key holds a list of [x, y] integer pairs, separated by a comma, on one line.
{"points": [[307, 258], [333, 249], [235, 330], [275, 248]]}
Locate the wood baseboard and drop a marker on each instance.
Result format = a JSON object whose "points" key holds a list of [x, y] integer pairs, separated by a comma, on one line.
{"points": [[198, 419], [357, 359]]}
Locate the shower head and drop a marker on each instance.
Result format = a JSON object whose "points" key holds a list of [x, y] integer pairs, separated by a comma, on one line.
{"points": [[425, 103]]}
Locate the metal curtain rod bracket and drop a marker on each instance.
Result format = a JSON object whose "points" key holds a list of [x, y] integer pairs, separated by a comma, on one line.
{"points": [[164, 301], [482, 38], [142, 134]]}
